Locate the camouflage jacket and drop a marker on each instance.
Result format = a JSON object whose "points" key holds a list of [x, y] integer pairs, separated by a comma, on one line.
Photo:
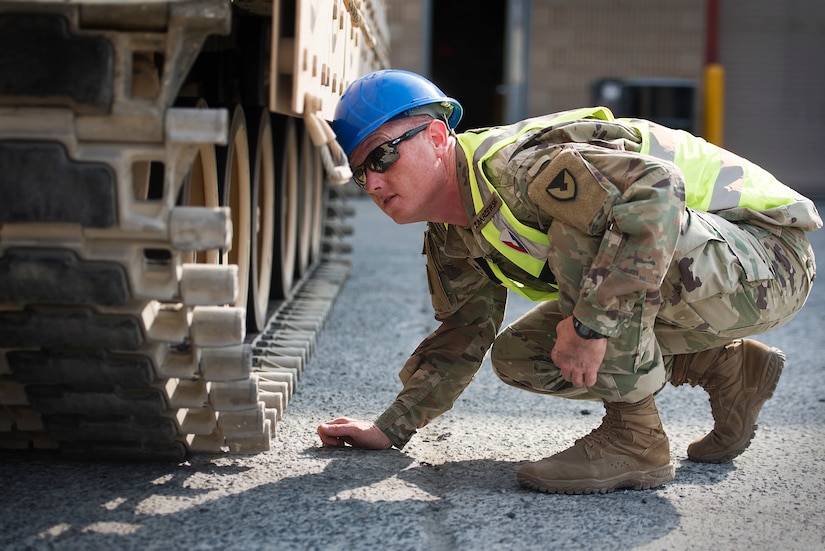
{"points": [[641, 194]]}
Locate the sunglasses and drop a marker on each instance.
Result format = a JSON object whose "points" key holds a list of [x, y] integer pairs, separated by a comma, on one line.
{"points": [[382, 157]]}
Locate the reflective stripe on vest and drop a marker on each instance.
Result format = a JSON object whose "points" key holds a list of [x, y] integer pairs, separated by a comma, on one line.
{"points": [[526, 247]]}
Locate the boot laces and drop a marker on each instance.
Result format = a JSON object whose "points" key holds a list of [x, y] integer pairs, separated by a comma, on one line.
{"points": [[603, 435]]}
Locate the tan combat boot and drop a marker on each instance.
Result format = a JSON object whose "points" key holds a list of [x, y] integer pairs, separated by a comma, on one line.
{"points": [[739, 378], [628, 450]]}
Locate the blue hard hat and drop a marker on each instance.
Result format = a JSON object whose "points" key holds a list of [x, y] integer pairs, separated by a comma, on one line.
{"points": [[384, 95]]}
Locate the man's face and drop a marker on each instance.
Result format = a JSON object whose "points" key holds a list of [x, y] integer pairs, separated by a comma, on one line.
{"points": [[400, 175]]}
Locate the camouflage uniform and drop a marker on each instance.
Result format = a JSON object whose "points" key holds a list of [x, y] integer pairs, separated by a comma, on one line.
{"points": [[629, 259]]}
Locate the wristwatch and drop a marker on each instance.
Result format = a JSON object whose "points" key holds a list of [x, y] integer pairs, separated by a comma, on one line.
{"points": [[585, 332]]}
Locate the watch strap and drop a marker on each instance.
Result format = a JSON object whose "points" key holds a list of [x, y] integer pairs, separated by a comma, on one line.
{"points": [[585, 332]]}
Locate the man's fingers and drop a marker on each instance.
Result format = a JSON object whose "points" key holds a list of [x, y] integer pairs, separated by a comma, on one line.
{"points": [[331, 441], [330, 434], [578, 378], [359, 434]]}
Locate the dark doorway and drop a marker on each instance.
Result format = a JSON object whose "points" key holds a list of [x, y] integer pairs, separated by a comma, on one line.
{"points": [[467, 57]]}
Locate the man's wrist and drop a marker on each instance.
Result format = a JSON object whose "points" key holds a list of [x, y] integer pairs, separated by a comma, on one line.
{"points": [[585, 332], [392, 430]]}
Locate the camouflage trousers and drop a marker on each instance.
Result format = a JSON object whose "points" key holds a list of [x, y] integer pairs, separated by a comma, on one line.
{"points": [[726, 281]]}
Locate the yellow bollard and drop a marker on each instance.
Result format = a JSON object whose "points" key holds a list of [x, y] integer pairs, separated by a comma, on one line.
{"points": [[714, 108]]}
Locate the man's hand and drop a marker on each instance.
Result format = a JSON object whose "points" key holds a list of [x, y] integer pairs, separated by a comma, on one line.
{"points": [[578, 359], [360, 434]]}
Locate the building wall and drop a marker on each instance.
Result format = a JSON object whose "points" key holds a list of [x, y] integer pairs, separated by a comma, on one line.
{"points": [[575, 43], [408, 33], [773, 54], [774, 59]]}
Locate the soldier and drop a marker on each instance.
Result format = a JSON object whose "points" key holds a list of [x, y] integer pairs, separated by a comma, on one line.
{"points": [[651, 253]]}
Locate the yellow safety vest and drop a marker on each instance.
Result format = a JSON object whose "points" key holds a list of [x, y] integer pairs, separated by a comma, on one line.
{"points": [[708, 188]]}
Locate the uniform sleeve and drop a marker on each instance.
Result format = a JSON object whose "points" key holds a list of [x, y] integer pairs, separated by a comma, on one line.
{"points": [[471, 310], [642, 217], [633, 203]]}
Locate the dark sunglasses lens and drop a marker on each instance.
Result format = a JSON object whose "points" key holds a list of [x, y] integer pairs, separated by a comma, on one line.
{"points": [[381, 158], [360, 176]]}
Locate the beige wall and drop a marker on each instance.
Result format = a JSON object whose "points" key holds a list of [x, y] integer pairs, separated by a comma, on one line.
{"points": [[575, 42], [406, 26], [772, 53]]}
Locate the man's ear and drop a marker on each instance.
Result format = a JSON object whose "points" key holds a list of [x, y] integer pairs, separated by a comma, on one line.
{"points": [[439, 133]]}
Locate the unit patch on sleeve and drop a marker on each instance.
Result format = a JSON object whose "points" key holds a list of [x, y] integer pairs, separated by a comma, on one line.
{"points": [[565, 189], [563, 186]]}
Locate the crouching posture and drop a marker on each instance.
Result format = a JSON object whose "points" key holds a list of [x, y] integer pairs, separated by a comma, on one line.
{"points": [[651, 253]]}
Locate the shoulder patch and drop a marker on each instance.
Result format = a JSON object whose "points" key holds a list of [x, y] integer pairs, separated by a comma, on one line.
{"points": [[565, 189], [563, 186]]}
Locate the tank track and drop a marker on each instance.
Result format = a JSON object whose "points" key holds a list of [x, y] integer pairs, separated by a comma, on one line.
{"points": [[112, 343]]}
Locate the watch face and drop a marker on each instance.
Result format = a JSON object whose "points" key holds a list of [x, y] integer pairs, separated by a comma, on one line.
{"points": [[581, 330], [585, 332]]}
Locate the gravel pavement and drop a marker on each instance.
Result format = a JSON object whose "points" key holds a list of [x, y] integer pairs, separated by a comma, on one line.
{"points": [[453, 487]]}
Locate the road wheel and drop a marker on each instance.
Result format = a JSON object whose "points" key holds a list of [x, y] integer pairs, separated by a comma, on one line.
{"points": [[233, 168], [286, 206], [306, 197], [263, 214], [318, 207]]}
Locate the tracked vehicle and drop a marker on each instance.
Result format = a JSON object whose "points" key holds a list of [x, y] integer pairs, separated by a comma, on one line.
{"points": [[171, 238]]}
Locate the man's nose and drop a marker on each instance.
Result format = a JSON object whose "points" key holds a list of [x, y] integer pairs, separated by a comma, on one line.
{"points": [[375, 181]]}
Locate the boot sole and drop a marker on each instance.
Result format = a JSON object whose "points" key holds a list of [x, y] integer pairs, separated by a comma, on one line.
{"points": [[637, 480], [774, 364]]}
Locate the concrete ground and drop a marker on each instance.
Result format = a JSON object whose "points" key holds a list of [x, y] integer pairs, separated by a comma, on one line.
{"points": [[453, 487]]}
